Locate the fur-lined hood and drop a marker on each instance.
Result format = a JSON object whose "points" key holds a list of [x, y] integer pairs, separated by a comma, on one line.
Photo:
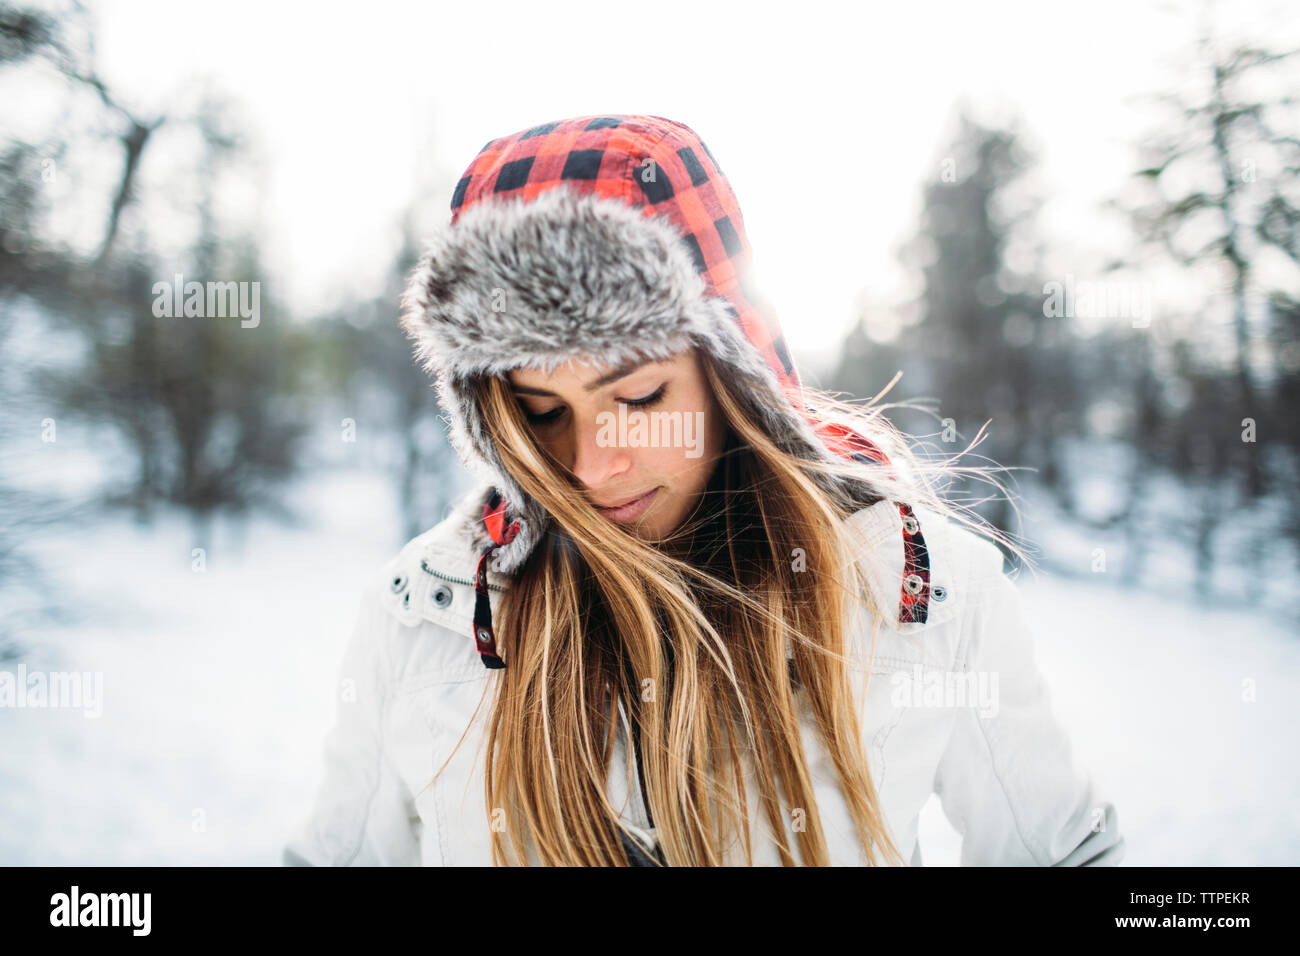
{"points": [[610, 237]]}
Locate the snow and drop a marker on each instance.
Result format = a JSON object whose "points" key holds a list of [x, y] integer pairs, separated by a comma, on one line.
{"points": [[218, 690]]}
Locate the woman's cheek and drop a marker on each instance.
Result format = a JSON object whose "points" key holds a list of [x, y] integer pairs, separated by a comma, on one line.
{"points": [[674, 463]]}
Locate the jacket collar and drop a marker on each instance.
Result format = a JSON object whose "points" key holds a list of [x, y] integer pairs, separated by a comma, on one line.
{"points": [[894, 542], [907, 563]]}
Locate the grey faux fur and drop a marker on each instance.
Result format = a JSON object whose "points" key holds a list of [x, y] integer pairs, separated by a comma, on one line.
{"points": [[566, 275]]}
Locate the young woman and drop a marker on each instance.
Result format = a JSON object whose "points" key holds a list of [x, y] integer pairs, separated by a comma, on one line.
{"points": [[695, 613]]}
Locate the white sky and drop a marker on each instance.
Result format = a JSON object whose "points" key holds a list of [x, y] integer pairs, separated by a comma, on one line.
{"points": [[827, 117]]}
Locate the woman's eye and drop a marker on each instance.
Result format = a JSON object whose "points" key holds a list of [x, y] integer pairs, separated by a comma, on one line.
{"points": [[545, 417], [650, 399]]}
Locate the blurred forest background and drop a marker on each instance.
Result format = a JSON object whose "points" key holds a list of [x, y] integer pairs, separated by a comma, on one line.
{"points": [[1147, 405], [201, 418], [1170, 423]]}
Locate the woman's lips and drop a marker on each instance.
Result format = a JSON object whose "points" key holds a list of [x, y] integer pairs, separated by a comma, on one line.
{"points": [[630, 511]]}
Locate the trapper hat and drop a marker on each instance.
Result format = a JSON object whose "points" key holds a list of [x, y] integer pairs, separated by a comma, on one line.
{"points": [[607, 237]]}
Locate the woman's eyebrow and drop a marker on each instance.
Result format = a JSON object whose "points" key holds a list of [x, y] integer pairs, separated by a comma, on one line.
{"points": [[624, 370]]}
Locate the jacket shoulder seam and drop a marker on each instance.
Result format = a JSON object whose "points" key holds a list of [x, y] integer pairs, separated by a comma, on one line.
{"points": [[982, 608]]}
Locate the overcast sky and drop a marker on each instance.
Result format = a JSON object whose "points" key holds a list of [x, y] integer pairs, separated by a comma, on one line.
{"points": [[827, 117]]}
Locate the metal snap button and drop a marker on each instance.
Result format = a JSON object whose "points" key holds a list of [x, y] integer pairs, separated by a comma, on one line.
{"points": [[406, 599], [939, 592], [910, 524], [442, 596], [913, 583], [484, 635], [399, 582]]}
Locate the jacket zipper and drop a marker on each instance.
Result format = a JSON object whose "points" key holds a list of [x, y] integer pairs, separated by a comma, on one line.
{"points": [[424, 565], [649, 850]]}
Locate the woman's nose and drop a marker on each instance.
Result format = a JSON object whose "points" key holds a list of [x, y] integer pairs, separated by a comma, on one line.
{"points": [[597, 460]]}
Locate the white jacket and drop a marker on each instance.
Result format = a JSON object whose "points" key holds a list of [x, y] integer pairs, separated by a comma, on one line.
{"points": [[411, 679]]}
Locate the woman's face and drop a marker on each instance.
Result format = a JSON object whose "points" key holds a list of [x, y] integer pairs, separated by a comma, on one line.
{"points": [[646, 436]]}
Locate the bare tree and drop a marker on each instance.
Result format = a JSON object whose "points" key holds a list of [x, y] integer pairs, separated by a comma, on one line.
{"points": [[1222, 190]]}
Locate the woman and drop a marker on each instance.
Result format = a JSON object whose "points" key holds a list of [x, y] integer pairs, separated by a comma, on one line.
{"points": [[689, 617]]}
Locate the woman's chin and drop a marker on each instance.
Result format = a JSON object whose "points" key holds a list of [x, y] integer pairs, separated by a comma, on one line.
{"points": [[649, 527]]}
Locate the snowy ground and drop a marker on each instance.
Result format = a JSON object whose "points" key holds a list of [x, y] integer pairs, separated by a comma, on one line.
{"points": [[218, 687]]}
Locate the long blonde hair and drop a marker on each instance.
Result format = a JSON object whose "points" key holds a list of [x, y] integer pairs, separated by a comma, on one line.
{"points": [[690, 634]]}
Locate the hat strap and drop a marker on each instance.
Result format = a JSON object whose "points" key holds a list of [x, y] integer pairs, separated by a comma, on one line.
{"points": [[484, 636]]}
